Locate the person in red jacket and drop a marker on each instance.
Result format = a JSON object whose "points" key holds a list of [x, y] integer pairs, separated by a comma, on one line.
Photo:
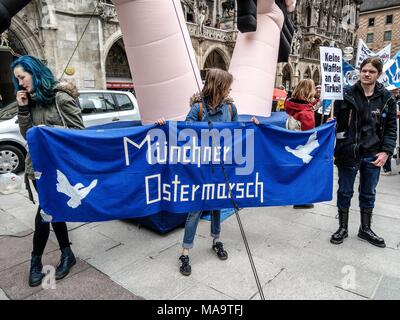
{"points": [[300, 107]]}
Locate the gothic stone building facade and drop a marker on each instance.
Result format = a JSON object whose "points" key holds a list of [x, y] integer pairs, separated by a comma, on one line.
{"points": [[50, 30], [318, 23]]}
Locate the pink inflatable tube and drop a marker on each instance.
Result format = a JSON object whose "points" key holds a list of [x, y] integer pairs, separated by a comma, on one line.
{"points": [[161, 57], [163, 64], [254, 60]]}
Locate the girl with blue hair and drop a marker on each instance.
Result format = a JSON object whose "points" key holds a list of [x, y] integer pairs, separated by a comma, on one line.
{"points": [[42, 100]]}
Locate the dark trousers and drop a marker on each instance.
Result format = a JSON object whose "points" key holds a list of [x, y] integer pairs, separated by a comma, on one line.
{"points": [[388, 165], [369, 177], [42, 232], [319, 119]]}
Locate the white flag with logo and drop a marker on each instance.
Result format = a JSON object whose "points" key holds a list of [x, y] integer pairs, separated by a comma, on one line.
{"points": [[384, 54], [363, 52]]}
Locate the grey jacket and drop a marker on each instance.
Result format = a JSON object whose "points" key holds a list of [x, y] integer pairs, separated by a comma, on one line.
{"points": [[35, 114]]}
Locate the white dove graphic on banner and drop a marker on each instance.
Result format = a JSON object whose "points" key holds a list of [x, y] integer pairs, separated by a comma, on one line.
{"points": [[303, 152], [76, 192]]}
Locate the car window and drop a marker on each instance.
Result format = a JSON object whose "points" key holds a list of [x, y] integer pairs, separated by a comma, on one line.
{"points": [[109, 102], [124, 102], [9, 111], [96, 103]]}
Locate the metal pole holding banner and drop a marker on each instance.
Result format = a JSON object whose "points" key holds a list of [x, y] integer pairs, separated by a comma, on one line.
{"points": [[398, 141]]}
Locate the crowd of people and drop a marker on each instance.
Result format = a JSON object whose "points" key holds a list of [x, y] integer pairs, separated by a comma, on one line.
{"points": [[366, 133]]}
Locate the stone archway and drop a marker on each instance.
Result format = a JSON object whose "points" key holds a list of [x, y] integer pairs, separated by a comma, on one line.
{"points": [[307, 73], [118, 75], [317, 76], [25, 38], [208, 48], [214, 59], [109, 43], [287, 76], [15, 44]]}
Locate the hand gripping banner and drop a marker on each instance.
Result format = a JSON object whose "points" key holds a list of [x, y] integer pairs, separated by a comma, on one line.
{"points": [[98, 175]]}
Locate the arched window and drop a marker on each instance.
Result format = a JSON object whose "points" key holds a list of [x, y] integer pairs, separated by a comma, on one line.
{"points": [[307, 74], [118, 75], [308, 15], [16, 44], [287, 77], [214, 60], [315, 49], [317, 77]]}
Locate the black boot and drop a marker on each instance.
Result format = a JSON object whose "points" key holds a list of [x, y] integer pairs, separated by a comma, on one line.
{"points": [[66, 262], [365, 231], [35, 274], [341, 233]]}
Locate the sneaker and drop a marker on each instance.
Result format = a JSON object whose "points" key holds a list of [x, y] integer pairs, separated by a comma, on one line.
{"points": [[185, 267], [218, 248]]}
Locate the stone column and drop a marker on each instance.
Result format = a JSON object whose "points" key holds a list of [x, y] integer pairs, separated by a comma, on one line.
{"points": [[214, 17], [235, 17], [195, 11], [219, 8], [103, 82]]}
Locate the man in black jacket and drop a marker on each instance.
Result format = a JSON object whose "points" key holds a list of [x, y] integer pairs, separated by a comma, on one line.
{"points": [[366, 137]]}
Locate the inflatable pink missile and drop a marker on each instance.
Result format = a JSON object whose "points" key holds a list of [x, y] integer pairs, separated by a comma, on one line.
{"points": [[254, 60], [161, 57], [163, 64]]}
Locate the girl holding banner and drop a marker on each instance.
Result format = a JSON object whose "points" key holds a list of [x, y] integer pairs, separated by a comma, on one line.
{"points": [[212, 104], [300, 109]]}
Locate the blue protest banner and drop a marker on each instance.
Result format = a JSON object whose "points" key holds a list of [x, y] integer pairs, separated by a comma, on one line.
{"points": [[351, 74], [393, 71], [326, 105], [98, 175]]}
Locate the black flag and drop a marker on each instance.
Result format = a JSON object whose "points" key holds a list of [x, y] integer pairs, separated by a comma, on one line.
{"points": [[247, 22], [8, 9]]}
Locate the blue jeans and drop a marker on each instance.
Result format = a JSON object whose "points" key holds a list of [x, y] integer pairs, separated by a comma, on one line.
{"points": [[369, 177], [191, 225]]}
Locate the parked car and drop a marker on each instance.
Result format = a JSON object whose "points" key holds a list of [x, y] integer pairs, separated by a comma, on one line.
{"points": [[99, 107]]}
